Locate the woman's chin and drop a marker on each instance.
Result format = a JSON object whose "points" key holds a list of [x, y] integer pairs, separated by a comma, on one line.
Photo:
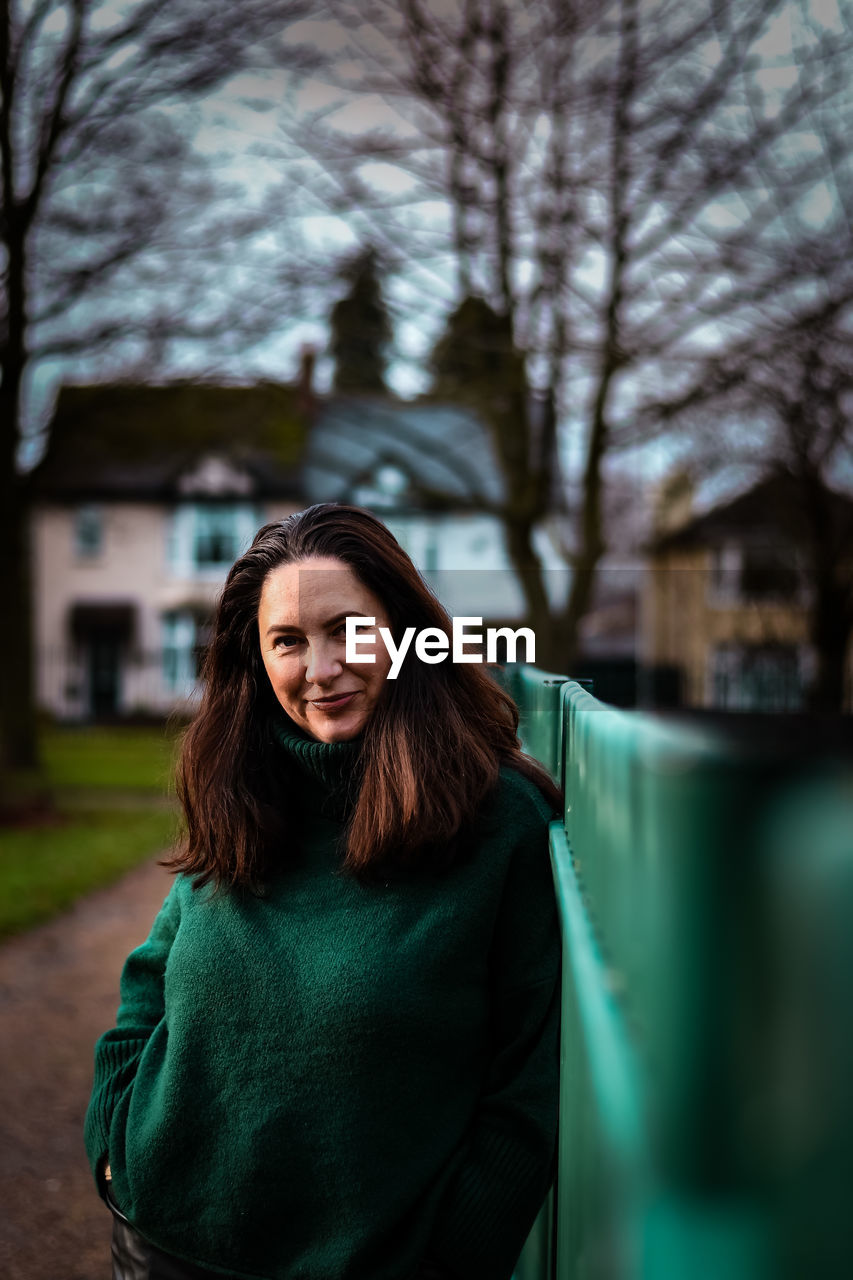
{"points": [[335, 729]]}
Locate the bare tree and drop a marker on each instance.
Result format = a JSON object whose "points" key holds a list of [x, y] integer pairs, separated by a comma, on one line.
{"points": [[96, 168], [631, 188]]}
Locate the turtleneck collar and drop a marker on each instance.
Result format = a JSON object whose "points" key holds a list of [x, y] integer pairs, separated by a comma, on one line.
{"points": [[331, 767]]}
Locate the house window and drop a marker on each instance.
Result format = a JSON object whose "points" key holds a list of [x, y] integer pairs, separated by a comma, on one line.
{"points": [[757, 572], [182, 640], [217, 536], [725, 574], [391, 482], [756, 677], [387, 487], [768, 573], [88, 532], [210, 535]]}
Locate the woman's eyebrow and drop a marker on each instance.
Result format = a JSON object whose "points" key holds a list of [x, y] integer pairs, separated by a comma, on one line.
{"points": [[329, 622], [281, 626]]}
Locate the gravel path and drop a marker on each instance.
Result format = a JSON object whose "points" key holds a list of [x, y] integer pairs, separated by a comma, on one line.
{"points": [[58, 992]]}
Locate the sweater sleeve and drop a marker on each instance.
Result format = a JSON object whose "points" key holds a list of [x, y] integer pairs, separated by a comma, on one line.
{"points": [[118, 1051], [506, 1165]]}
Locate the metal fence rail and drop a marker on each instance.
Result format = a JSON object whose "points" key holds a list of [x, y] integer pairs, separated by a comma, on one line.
{"points": [[705, 889]]}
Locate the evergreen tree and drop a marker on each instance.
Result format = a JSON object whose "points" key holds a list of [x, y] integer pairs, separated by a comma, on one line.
{"points": [[361, 327], [475, 358], [476, 362]]}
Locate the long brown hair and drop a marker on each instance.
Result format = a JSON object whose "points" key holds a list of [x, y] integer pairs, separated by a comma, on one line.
{"points": [[430, 753]]}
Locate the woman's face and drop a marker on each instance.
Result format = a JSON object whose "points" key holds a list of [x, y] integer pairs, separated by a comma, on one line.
{"points": [[301, 626]]}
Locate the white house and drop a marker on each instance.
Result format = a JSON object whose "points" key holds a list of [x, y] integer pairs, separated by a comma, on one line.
{"points": [[147, 494], [144, 499]]}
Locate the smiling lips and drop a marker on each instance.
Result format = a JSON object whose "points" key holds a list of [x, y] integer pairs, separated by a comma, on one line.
{"points": [[334, 700]]}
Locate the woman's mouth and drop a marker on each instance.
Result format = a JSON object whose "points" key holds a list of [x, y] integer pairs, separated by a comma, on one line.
{"points": [[334, 701]]}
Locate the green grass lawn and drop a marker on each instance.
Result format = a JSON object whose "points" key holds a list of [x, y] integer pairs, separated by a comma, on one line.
{"points": [[110, 759], [110, 812], [45, 868]]}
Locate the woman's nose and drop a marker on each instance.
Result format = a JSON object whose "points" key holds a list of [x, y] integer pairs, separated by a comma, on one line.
{"points": [[323, 664]]}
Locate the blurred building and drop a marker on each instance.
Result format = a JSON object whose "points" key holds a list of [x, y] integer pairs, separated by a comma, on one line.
{"points": [[143, 500], [147, 494], [725, 601], [429, 470]]}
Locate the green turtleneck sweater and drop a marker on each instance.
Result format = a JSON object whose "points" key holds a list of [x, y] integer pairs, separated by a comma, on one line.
{"points": [[335, 1080]]}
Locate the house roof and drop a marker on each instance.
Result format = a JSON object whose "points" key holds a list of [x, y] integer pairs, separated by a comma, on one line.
{"points": [[155, 443], [441, 452], [773, 508], [126, 440]]}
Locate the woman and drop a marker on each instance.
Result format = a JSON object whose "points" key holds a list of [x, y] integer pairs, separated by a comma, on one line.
{"points": [[336, 1053]]}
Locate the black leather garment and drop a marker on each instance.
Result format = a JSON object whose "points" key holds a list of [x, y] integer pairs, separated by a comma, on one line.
{"points": [[135, 1259]]}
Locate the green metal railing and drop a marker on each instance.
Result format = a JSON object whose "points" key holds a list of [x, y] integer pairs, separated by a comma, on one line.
{"points": [[705, 890]]}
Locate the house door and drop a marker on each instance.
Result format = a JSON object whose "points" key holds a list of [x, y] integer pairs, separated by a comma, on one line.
{"points": [[104, 672], [102, 633]]}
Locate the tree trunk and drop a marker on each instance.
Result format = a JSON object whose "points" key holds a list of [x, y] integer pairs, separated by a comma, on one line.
{"points": [[591, 542], [18, 742], [831, 630], [18, 746], [529, 572], [591, 545]]}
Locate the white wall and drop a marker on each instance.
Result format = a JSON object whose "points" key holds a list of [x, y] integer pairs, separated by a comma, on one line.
{"points": [[135, 567]]}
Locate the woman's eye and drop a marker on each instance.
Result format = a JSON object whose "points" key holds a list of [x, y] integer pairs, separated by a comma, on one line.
{"points": [[285, 642]]}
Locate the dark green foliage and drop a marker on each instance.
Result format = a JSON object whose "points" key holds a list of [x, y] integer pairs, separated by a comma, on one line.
{"points": [[361, 327], [476, 363], [475, 357]]}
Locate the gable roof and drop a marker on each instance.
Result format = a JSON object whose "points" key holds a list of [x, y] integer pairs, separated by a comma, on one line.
{"points": [[127, 440], [771, 509], [443, 451]]}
